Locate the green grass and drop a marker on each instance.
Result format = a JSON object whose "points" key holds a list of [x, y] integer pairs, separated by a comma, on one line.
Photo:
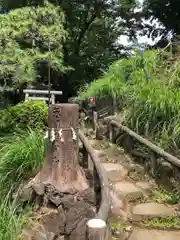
{"points": [[160, 195], [163, 223], [152, 108], [12, 220], [20, 157], [117, 226]]}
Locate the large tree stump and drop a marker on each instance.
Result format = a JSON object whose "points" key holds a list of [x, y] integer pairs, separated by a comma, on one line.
{"points": [[61, 168]]}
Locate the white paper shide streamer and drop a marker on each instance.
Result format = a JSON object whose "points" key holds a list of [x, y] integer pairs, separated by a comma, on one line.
{"points": [[46, 135], [60, 135], [74, 137], [52, 137]]}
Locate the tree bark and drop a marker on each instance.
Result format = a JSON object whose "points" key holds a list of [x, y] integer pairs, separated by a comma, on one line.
{"points": [[61, 168]]}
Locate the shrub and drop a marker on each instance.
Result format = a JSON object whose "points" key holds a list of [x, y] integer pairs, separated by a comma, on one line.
{"points": [[30, 114]]}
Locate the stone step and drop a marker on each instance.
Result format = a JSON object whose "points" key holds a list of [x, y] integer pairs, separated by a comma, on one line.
{"points": [[118, 207], [145, 186], [151, 210], [101, 154], [115, 172], [128, 190], [146, 234], [94, 142]]}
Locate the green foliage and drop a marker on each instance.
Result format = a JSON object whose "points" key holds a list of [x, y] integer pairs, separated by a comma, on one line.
{"points": [[20, 158], [30, 36], [93, 30], [161, 195], [12, 220], [30, 114], [122, 74], [152, 107], [116, 225], [171, 222], [167, 12]]}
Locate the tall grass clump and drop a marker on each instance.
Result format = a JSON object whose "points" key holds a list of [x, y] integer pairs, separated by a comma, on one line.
{"points": [[21, 156], [121, 74], [12, 220], [147, 84]]}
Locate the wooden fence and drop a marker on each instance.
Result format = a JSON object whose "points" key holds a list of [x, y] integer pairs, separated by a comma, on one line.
{"points": [[156, 160], [105, 106], [97, 228]]}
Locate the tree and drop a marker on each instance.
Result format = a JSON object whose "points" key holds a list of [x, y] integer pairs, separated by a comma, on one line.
{"points": [[30, 36], [94, 27], [166, 12]]}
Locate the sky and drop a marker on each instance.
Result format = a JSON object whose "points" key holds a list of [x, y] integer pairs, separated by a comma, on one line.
{"points": [[123, 39]]}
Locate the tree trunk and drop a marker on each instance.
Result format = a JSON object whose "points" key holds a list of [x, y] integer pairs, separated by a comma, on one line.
{"points": [[61, 168]]}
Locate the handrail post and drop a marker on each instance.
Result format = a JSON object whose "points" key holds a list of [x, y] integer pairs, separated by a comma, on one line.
{"points": [[110, 131], [114, 105], [95, 119], [97, 229], [153, 163], [96, 185], [101, 184], [85, 157]]}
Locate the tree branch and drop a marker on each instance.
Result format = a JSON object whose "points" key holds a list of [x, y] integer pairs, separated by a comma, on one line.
{"points": [[82, 33]]}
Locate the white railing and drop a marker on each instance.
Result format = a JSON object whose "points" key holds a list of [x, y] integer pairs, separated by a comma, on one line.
{"points": [[30, 94]]}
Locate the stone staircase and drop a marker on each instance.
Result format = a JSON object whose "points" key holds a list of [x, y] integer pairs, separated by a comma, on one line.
{"points": [[132, 204]]}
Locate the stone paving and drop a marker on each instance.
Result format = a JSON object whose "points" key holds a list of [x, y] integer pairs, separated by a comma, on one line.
{"points": [[145, 234], [126, 197]]}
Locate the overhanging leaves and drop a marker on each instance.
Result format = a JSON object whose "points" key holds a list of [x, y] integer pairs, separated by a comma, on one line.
{"points": [[28, 36]]}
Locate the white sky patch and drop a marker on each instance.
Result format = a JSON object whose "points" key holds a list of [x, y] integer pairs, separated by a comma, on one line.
{"points": [[141, 40]]}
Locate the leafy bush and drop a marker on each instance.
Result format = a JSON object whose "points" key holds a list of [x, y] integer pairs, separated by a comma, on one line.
{"points": [[30, 114]]}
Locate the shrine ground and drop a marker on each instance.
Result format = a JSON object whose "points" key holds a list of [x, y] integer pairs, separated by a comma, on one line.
{"points": [[141, 209]]}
